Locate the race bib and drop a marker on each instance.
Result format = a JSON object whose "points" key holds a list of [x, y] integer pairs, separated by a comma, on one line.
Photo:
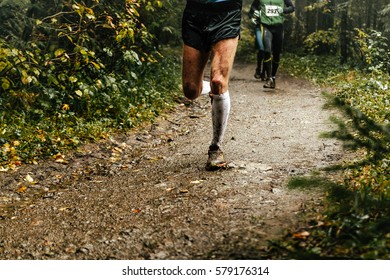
{"points": [[272, 10]]}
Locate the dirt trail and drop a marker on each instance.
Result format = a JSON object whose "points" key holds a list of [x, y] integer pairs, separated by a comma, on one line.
{"points": [[146, 195]]}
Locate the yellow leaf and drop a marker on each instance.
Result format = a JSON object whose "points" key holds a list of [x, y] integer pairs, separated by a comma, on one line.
{"points": [[6, 147], [96, 65], [59, 52], [90, 16], [79, 93], [3, 169], [59, 158], [5, 83], [22, 189], [301, 235], [73, 79]]}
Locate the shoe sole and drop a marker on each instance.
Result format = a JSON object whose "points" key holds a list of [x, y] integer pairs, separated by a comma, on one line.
{"points": [[214, 167], [271, 87]]}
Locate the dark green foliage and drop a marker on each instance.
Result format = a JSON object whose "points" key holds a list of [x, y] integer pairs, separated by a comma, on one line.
{"points": [[13, 21], [85, 67], [361, 132], [165, 22], [385, 18], [370, 51]]}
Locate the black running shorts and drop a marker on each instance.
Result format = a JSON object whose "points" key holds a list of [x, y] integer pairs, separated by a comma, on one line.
{"points": [[205, 24]]}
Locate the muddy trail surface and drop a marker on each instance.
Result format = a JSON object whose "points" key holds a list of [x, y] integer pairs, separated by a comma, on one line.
{"points": [[146, 194]]}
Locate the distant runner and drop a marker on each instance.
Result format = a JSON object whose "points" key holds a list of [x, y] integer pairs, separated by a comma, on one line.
{"points": [[269, 16]]}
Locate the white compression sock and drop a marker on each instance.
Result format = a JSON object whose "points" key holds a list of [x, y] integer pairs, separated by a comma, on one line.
{"points": [[206, 88], [220, 110]]}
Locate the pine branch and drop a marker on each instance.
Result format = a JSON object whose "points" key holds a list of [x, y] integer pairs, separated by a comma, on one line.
{"points": [[359, 131]]}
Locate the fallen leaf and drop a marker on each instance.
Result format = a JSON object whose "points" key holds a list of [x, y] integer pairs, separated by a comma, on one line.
{"points": [[48, 243], [21, 189], [119, 150], [71, 249], [301, 235], [36, 222], [59, 158], [114, 159], [196, 182], [29, 178], [16, 143]]}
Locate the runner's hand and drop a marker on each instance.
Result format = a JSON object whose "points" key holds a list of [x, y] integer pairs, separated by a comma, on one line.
{"points": [[255, 17]]}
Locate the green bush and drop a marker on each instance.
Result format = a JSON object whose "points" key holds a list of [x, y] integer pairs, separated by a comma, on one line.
{"points": [[322, 42], [371, 50], [85, 70]]}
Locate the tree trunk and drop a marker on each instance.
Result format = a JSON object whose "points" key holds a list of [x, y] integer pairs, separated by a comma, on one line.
{"points": [[343, 36]]}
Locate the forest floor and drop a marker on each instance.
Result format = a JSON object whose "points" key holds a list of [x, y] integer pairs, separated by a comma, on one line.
{"points": [[146, 195]]}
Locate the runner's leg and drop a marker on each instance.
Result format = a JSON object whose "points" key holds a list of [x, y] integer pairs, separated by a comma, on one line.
{"points": [[221, 67], [268, 51], [260, 71], [194, 62], [277, 45]]}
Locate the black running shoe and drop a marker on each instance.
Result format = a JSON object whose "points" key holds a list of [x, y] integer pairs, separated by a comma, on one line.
{"points": [[258, 73], [270, 83]]}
